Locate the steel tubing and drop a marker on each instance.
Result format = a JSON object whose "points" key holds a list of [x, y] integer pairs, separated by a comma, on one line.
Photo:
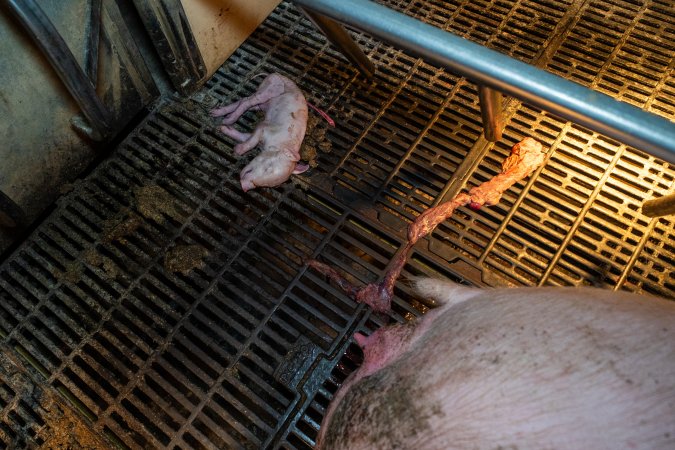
{"points": [[599, 112], [336, 34], [491, 113]]}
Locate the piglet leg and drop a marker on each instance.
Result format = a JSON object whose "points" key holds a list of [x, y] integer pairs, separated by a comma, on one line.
{"points": [[247, 141], [272, 86], [250, 143], [230, 131], [223, 110]]}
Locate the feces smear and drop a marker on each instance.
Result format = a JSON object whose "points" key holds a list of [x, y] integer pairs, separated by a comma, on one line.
{"points": [[525, 157]]}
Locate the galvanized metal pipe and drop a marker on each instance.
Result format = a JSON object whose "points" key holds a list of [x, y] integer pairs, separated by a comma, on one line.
{"points": [[337, 34], [597, 111], [491, 113]]}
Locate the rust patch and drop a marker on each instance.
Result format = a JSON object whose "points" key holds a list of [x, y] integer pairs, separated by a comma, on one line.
{"points": [[72, 274], [53, 423]]}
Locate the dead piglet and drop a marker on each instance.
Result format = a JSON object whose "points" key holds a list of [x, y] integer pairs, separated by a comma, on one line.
{"points": [[280, 133]]}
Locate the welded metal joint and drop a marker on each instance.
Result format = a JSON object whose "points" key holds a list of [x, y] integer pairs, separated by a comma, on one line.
{"points": [[491, 113], [339, 37], [46, 36]]}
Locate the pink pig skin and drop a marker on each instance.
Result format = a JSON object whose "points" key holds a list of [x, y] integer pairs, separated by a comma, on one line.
{"points": [[280, 133], [519, 368]]}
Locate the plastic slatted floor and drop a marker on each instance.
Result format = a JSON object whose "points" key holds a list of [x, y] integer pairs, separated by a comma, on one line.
{"points": [[245, 349]]}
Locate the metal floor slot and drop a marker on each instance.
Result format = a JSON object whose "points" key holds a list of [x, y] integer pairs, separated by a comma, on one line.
{"points": [[172, 310]]}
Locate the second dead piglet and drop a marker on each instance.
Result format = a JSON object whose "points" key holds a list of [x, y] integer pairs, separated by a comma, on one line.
{"points": [[280, 133]]}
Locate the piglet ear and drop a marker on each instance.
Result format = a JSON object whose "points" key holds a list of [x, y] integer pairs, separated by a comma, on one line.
{"points": [[300, 168]]}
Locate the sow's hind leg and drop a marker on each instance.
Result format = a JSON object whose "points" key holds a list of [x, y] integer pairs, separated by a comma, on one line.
{"points": [[382, 411], [444, 292]]}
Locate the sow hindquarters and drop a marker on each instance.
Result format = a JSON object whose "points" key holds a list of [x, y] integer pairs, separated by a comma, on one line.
{"points": [[523, 368]]}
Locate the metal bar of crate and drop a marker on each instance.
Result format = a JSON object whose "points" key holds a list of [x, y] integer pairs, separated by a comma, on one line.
{"points": [[491, 113], [599, 112], [336, 34], [47, 38]]}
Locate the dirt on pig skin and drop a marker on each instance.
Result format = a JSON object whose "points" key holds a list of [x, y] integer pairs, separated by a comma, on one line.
{"points": [[525, 368]]}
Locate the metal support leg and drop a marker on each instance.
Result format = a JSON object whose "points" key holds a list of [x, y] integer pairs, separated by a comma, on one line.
{"points": [[491, 112], [661, 206], [337, 35], [46, 36]]}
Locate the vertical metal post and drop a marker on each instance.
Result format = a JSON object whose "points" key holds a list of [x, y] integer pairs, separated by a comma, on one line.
{"points": [[339, 37], [491, 112]]}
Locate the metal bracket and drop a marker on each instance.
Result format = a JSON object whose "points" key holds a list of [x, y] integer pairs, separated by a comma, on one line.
{"points": [[93, 38]]}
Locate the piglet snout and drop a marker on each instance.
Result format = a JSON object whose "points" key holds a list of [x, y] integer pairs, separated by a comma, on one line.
{"points": [[245, 180]]}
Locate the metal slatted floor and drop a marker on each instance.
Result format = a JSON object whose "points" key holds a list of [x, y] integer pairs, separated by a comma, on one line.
{"points": [[174, 311]]}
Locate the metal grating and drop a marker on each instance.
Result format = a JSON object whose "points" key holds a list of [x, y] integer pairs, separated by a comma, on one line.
{"points": [[243, 348]]}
